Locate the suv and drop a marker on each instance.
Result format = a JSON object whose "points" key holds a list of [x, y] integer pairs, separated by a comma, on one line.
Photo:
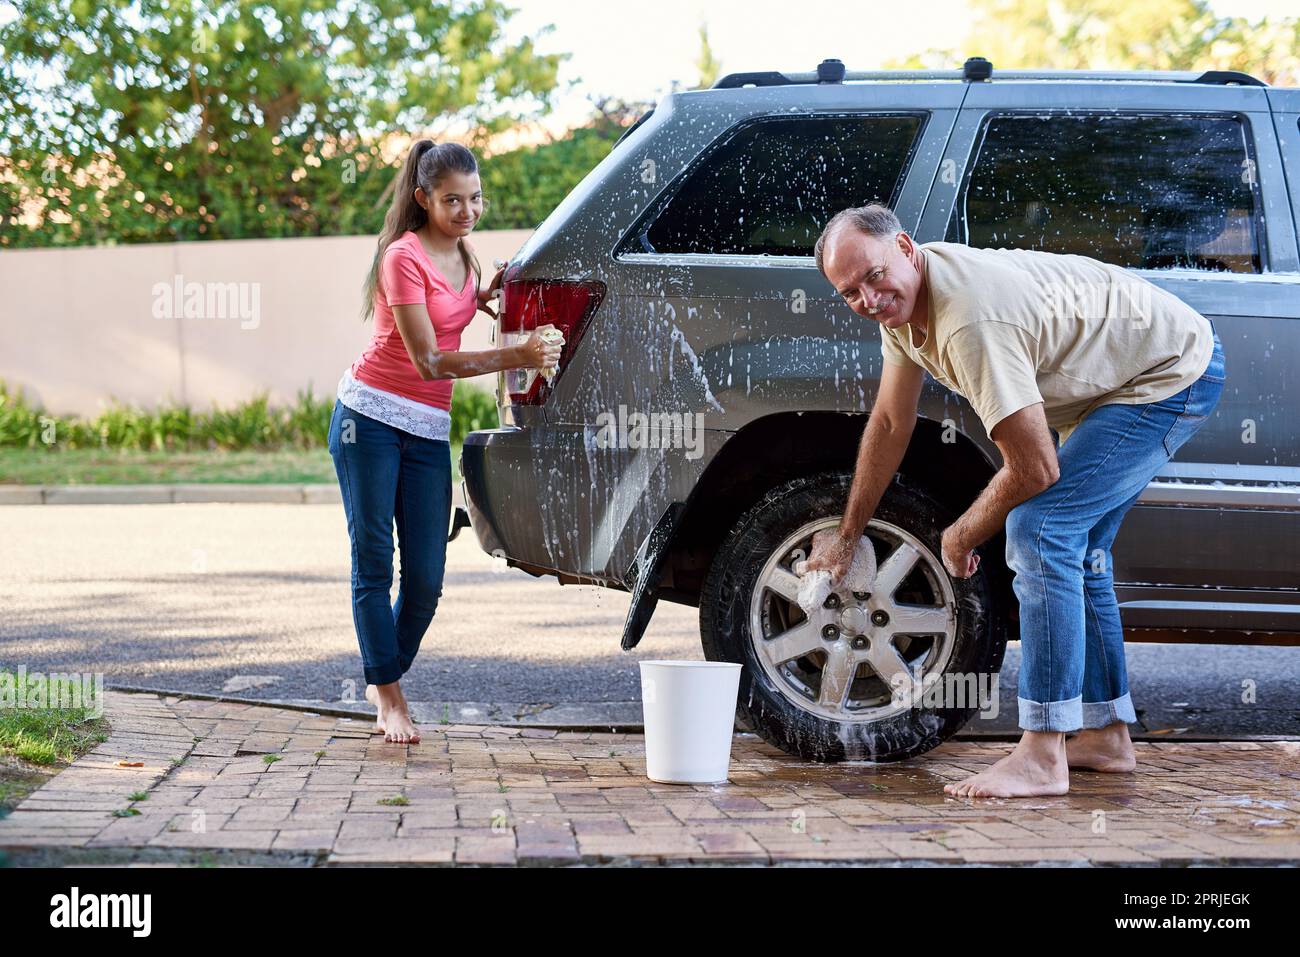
{"points": [[681, 271]]}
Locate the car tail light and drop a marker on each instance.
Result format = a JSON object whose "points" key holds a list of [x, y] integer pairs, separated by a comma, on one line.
{"points": [[527, 304]]}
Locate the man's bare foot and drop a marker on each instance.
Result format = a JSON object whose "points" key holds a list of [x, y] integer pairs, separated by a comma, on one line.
{"points": [[1036, 767], [1107, 749]]}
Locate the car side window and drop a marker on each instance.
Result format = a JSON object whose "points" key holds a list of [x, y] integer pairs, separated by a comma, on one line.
{"points": [[771, 185], [1140, 191]]}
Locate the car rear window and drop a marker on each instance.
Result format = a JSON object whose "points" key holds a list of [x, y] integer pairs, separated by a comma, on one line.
{"points": [[1141, 191], [770, 185]]}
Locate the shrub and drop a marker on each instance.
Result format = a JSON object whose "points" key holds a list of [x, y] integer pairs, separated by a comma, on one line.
{"points": [[471, 409], [253, 424], [19, 422]]}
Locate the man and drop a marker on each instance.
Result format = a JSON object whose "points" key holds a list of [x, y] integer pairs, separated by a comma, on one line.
{"points": [[1124, 371]]}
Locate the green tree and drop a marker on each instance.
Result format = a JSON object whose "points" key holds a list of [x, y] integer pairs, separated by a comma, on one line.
{"points": [[525, 184], [706, 62], [1121, 35], [152, 120]]}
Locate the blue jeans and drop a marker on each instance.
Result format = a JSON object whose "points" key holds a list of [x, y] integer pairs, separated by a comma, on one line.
{"points": [[1072, 669], [389, 477]]}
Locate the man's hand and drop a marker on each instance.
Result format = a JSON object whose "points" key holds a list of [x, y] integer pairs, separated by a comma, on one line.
{"points": [[830, 551], [960, 561], [1029, 467], [884, 441]]}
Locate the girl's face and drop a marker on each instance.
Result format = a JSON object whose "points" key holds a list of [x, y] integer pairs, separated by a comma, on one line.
{"points": [[456, 204]]}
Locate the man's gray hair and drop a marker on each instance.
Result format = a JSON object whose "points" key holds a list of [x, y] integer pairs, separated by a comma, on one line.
{"points": [[873, 219]]}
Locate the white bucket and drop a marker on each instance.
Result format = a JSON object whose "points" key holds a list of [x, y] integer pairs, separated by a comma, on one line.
{"points": [[690, 712]]}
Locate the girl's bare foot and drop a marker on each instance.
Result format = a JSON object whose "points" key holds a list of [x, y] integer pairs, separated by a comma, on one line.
{"points": [[392, 714], [372, 695], [1107, 749], [1036, 767], [399, 728]]}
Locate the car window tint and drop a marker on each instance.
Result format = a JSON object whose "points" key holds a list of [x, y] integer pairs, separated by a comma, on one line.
{"points": [[773, 184], [1148, 192]]}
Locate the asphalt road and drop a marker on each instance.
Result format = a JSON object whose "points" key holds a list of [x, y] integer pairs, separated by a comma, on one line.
{"points": [[253, 600]]}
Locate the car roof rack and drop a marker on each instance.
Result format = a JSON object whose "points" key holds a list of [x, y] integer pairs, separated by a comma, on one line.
{"points": [[977, 69]]}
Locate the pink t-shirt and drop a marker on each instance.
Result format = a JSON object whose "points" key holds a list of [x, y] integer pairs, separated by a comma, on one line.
{"points": [[406, 276]]}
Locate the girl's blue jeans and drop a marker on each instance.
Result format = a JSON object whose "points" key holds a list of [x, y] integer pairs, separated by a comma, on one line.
{"points": [[389, 478], [1072, 669]]}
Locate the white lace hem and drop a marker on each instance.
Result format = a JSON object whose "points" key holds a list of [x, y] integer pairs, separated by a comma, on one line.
{"points": [[417, 418]]}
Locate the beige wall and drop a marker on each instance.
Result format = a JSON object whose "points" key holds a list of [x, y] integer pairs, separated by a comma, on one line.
{"points": [[78, 326]]}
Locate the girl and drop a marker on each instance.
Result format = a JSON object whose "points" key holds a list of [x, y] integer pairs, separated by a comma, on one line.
{"points": [[389, 434]]}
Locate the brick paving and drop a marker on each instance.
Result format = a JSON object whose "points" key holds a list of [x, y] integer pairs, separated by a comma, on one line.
{"points": [[484, 795]]}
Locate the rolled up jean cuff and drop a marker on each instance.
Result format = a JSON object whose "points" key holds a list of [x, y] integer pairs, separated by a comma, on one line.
{"points": [[1051, 715], [382, 675], [1098, 714]]}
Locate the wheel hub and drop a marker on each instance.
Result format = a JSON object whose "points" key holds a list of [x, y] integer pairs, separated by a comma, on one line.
{"points": [[860, 656], [853, 619]]}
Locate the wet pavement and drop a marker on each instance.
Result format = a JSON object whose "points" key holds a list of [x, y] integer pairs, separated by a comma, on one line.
{"points": [[259, 784]]}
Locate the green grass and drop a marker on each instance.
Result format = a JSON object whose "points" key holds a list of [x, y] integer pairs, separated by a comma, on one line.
{"points": [[16, 782], [35, 743], [252, 442], [112, 467], [39, 466]]}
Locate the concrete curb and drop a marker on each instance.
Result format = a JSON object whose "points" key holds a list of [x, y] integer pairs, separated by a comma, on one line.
{"points": [[168, 494], [179, 494], [576, 716]]}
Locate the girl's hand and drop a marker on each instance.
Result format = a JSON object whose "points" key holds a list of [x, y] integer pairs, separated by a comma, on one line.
{"points": [[488, 295], [540, 354]]}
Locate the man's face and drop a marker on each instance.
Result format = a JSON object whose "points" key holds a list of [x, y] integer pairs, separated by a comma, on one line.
{"points": [[876, 277]]}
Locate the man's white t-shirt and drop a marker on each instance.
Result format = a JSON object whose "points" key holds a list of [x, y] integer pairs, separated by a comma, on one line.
{"points": [[1012, 327]]}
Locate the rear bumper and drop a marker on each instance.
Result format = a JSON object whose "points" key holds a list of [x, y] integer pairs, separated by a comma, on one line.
{"points": [[549, 500], [474, 491], [521, 489]]}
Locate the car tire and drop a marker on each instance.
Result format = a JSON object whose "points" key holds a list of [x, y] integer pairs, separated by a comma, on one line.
{"points": [[798, 708]]}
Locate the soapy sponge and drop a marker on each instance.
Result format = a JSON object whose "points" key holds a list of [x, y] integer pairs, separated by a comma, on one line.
{"points": [[815, 586], [549, 334]]}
